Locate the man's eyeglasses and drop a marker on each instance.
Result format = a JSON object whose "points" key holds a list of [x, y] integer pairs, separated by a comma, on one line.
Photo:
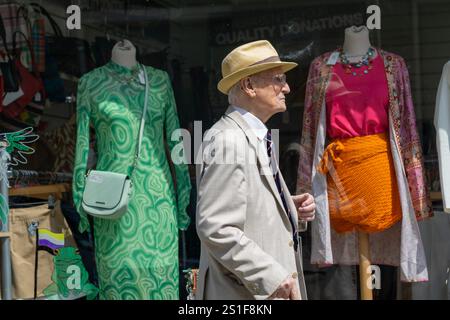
{"points": [[280, 79]]}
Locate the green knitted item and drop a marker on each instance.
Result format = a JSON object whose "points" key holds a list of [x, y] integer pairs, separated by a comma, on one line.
{"points": [[70, 278]]}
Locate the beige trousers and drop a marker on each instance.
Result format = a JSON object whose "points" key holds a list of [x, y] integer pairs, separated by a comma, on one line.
{"points": [[23, 247]]}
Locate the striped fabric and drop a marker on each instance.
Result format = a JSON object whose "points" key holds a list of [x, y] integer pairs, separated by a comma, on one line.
{"points": [[38, 41], [49, 239], [13, 23]]}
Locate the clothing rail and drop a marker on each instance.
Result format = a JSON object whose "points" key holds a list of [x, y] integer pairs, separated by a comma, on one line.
{"points": [[21, 175]]}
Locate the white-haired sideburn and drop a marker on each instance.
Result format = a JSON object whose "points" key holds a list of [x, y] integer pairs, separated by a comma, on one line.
{"points": [[234, 93]]}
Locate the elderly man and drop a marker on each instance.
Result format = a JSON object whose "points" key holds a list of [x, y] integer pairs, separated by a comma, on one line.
{"points": [[247, 221]]}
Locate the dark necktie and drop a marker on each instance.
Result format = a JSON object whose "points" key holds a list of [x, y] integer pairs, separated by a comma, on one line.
{"points": [[276, 177]]}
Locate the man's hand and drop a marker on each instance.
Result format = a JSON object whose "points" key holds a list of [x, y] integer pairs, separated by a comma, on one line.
{"points": [[305, 205], [287, 290]]}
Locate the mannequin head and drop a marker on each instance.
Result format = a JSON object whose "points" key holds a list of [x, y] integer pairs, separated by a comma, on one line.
{"points": [[124, 54], [356, 42]]}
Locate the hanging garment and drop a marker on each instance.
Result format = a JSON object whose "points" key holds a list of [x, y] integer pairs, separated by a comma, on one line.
{"points": [[22, 223], [14, 20], [67, 263], [400, 245], [38, 40], [136, 255], [442, 125]]}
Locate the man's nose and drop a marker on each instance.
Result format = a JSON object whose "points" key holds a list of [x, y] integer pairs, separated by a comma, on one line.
{"points": [[286, 88]]}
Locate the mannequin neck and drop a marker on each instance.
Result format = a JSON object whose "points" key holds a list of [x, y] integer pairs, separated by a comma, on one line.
{"points": [[124, 54], [356, 42]]}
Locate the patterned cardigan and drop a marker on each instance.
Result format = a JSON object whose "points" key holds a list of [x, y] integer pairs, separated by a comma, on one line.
{"points": [[403, 121]]}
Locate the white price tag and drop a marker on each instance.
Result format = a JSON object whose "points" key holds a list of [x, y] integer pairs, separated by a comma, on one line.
{"points": [[332, 60], [38, 97]]}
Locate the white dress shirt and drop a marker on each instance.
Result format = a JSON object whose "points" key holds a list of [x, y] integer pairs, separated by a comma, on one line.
{"points": [[260, 130]]}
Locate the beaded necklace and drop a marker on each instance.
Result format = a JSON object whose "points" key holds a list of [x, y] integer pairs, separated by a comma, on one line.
{"points": [[366, 60], [132, 78]]}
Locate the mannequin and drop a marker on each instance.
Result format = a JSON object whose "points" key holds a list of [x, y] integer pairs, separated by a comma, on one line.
{"points": [[124, 54], [352, 107], [137, 254], [357, 111], [356, 42]]}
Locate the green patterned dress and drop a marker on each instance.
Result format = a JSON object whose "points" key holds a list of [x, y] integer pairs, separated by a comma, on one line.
{"points": [[136, 255]]}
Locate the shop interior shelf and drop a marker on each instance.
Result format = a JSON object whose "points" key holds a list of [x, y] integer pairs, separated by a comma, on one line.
{"points": [[436, 196]]}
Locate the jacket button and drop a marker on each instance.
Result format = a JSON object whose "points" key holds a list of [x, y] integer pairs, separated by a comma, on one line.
{"points": [[295, 275], [291, 243]]}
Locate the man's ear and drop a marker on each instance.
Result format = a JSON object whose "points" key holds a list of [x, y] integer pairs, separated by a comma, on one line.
{"points": [[247, 87]]}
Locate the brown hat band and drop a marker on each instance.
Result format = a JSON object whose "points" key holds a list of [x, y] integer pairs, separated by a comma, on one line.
{"points": [[269, 59]]}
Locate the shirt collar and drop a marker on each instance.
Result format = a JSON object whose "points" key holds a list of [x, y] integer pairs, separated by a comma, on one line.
{"points": [[258, 127]]}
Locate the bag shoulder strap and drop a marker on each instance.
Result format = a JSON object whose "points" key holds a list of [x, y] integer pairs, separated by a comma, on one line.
{"points": [[141, 126], [23, 10], [16, 53]]}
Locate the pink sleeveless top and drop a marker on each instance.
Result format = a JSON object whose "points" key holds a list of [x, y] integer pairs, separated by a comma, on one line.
{"points": [[357, 105]]}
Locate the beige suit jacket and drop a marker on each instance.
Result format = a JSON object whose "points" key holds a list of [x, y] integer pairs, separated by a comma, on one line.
{"points": [[247, 246]]}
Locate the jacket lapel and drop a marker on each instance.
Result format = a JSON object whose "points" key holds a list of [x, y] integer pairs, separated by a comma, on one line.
{"points": [[261, 154]]}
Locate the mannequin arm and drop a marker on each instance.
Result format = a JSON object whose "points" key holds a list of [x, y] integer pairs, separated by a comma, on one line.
{"points": [[81, 151]]}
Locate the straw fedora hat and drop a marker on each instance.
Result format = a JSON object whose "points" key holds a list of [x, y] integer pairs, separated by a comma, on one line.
{"points": [[249, 59]]}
